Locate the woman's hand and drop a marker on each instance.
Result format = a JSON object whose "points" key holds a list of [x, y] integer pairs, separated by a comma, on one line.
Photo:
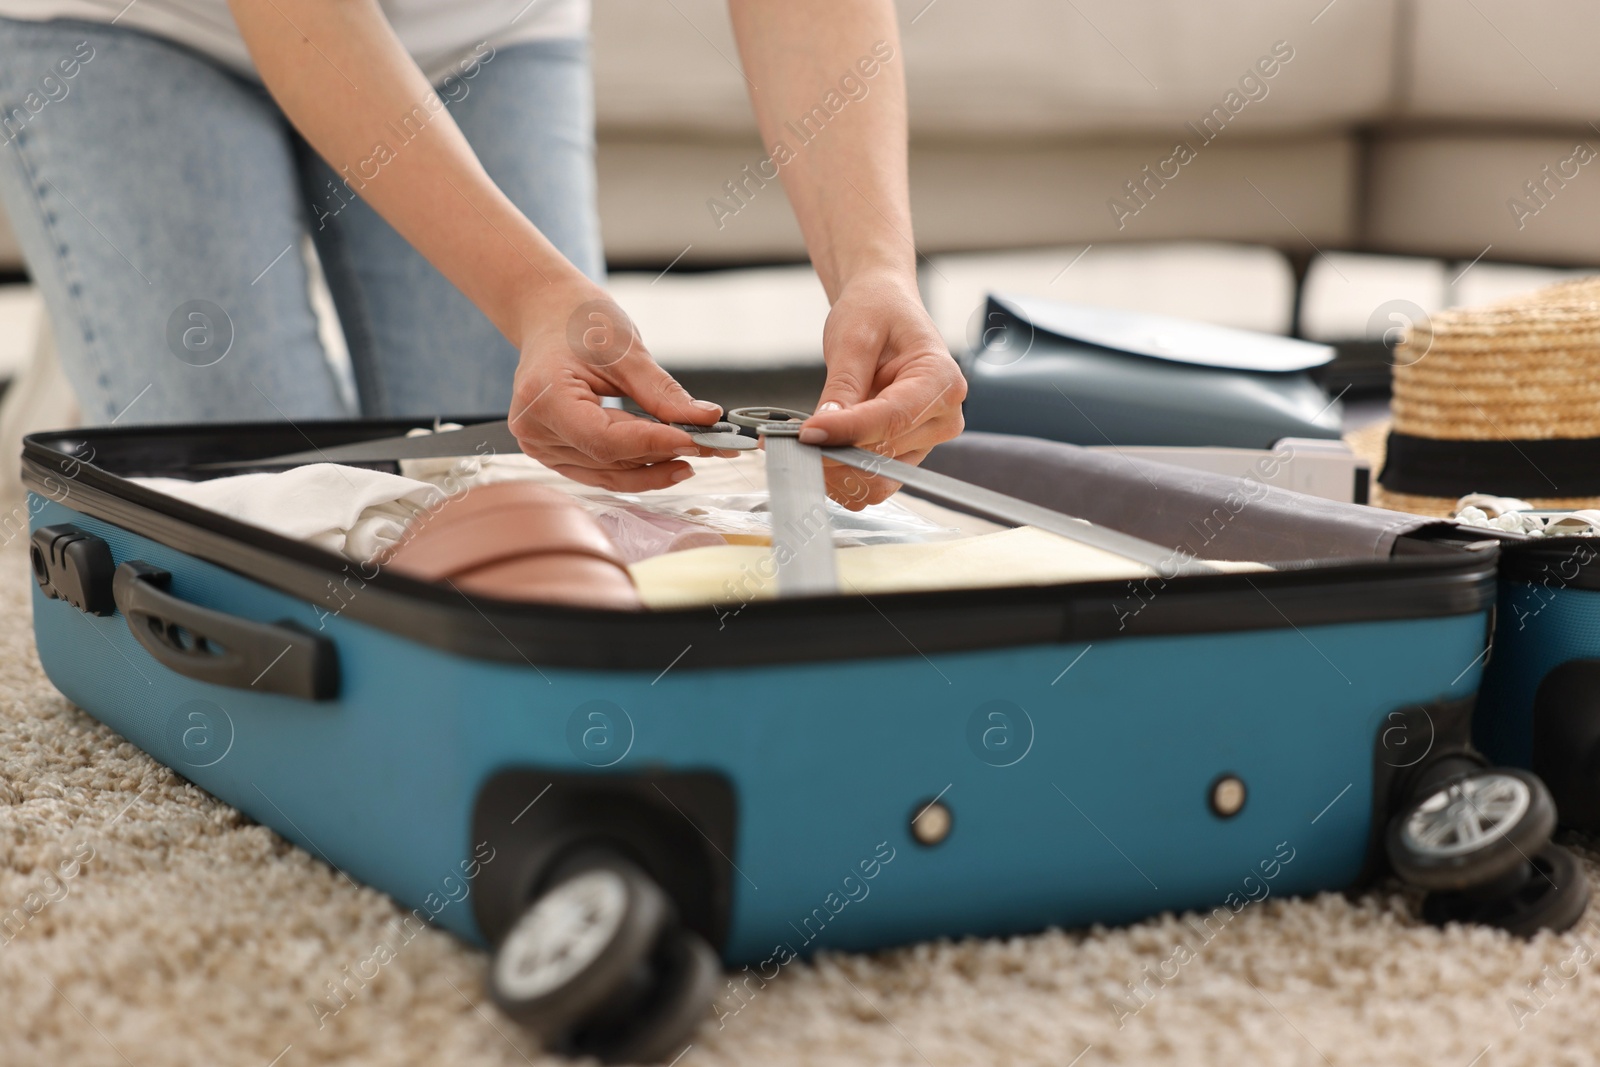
{"points": [[578, 345], [892, 385]]}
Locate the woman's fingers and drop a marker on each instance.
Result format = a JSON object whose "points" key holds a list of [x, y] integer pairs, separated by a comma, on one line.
{"points": [[905, 405], [608, 437], [639, 376], [856, 489]]}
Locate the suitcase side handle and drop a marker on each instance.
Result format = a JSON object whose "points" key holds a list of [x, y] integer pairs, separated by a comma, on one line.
{"points": [[212, 646]]}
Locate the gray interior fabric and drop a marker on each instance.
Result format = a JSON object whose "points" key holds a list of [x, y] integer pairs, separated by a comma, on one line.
{"points": [[1212, 516]]}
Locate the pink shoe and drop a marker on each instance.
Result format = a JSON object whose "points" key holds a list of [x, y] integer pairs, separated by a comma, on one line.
{"points": [[517, 541]]}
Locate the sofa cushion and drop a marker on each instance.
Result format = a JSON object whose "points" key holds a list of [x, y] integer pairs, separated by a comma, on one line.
{"points": [[1502, 59], [658, 198], [1465, 194], [1350, 296], [1005, 68], [726, 319], [1488, 283]]}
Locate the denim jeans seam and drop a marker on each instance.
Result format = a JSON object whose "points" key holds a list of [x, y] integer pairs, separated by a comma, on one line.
{"points": [[60, 251]]}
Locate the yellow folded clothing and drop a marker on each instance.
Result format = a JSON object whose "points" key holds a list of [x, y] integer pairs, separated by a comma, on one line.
{"points": [[724, 574]]}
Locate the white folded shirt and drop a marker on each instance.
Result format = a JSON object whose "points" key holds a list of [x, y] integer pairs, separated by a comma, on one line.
{"points": [[350, 510]]}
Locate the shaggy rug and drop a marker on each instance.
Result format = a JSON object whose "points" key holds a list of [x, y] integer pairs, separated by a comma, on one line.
{"points": [[143, 923]]}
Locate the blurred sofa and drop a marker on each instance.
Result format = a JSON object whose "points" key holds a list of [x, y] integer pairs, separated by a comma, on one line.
{"points": [[1397, 126]]}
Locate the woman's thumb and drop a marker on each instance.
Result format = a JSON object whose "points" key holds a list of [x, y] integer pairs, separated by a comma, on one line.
{"points": [[659, 393]]}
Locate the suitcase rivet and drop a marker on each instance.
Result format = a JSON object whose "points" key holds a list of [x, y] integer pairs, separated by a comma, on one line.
{"points": [[1227, 796], [931, 824]]}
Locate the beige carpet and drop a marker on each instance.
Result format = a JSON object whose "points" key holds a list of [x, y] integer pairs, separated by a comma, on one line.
{"points": [[190, 936]]}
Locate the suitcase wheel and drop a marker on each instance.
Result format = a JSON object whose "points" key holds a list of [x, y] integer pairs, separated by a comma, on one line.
{"points": [[1553, 895], [1471, 830], [598, 965], [1480, 843]]}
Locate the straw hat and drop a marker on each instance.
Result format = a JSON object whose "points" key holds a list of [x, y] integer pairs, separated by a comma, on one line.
{"points": [[1503, 399]]}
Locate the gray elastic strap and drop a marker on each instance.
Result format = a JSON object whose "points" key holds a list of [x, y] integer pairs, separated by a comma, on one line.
{"points": [[802, 537], [987, 502]]}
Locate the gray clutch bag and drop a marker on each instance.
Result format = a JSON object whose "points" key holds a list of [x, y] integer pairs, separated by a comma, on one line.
{"points": [[1096, 376]]}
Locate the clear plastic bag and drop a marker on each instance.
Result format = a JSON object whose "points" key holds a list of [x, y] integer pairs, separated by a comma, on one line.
{"points": [[645, 526]]}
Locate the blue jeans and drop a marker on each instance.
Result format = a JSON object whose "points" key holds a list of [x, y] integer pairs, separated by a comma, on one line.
{"points": [[161, 200]]}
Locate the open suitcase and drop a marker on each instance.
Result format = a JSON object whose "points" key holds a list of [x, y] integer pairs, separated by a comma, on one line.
{"points": [[833, 771]]}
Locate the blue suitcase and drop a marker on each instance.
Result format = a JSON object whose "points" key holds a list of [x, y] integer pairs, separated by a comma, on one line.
{"points": [[1541, 688], [602, 795]]}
